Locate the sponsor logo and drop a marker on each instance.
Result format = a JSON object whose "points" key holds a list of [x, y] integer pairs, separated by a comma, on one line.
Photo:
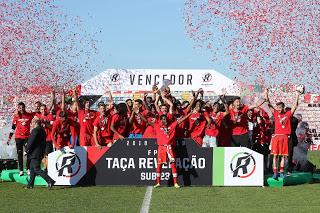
{"points": [[243, 165], [68, 164], [207, 77], [115, 77]]}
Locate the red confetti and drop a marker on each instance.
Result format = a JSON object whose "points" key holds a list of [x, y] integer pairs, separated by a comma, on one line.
{"points": [[268, 42], [41, 48]]}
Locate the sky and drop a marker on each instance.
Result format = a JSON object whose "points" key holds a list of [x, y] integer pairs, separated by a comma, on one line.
{"points": [[141, 34]]}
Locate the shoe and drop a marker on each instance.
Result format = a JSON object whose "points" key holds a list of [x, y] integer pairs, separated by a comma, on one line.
{"points": [[176, 186], [28, 172], [50, 184], [282, 175], [28, 187], [288, 174], [21, 173], [275, 176], [157, 185]]}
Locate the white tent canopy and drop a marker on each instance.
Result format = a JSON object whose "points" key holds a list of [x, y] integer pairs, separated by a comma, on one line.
{"points": [[144, 79]]}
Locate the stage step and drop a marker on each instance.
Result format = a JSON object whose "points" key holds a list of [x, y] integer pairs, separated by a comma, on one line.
{"points": [[293, 179], [13, 176]]}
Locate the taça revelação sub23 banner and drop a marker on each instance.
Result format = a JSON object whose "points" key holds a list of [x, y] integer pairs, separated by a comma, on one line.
{"points": [[129, 162], [134, 161]]}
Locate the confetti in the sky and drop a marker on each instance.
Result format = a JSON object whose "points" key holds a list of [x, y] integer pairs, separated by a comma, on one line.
{"points": [[41, 47], [269, 42]]}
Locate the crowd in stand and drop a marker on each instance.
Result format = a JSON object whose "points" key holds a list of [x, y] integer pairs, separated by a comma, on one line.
{"points": [[160, 115]]}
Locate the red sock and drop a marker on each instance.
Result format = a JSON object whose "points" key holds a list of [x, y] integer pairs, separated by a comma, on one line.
{"points": [[275, 170], [174, 172], [281, 169], [159, 167]]}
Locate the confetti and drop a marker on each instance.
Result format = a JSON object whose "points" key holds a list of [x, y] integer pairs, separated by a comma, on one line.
{"points": [[41, 47], [268, 42]]}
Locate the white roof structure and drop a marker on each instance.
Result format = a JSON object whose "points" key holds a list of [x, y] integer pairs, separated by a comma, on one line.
{"points": [[144, 79]]}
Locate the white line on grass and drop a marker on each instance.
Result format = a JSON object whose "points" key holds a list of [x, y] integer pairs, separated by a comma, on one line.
{"points": [[146, 200]]}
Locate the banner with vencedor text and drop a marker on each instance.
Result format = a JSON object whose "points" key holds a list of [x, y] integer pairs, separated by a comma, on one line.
{"points": [[144, 79]]}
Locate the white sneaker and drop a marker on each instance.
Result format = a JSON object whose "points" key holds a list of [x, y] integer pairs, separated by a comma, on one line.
{"points": [[21, 173], [157, 185], [176, 186], [28, 172]]}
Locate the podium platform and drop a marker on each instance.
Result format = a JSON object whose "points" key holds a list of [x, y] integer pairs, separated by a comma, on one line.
{"points": [[294, 179], [13, 176]]}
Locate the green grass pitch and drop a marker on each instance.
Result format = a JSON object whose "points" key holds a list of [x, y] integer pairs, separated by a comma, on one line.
{"points": [[301, 198]]}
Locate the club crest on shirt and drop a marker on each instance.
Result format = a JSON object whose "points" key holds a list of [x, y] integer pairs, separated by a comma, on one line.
{"points": [[138, 118], [213, 118], [237, 117], [23, 121], [282, 120], [165, 130]]}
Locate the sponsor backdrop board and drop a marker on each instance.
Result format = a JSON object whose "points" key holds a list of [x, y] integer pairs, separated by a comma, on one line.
{"points": [[67, 166], [237, 166], [129, 162], [134, 161]]}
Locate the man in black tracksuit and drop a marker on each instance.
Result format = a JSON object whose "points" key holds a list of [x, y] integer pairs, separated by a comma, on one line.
{"points": [[293, 141], [35, 151]]}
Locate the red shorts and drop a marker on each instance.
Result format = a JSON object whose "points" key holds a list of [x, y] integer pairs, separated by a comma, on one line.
{"points": [[164, 153], [279, 145], [86, 140], [62, 143]]}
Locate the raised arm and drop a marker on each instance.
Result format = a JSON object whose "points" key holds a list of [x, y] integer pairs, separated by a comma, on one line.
{"points": [[109, 94], [169, 102], [134, 110], [184, 118], [63, 97], [156, 103], [259, 103], [193, 99], [76, 99], [268, 101], [296, 103], [52, 100], [144, 101], [227, 110], [223, 100]]}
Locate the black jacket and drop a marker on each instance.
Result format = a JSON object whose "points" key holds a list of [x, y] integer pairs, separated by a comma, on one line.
{"points": [[36, 143]]}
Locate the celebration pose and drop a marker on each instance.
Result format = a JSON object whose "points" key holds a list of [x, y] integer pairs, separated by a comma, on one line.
{"points": [[166, 139], [279, 141]]}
